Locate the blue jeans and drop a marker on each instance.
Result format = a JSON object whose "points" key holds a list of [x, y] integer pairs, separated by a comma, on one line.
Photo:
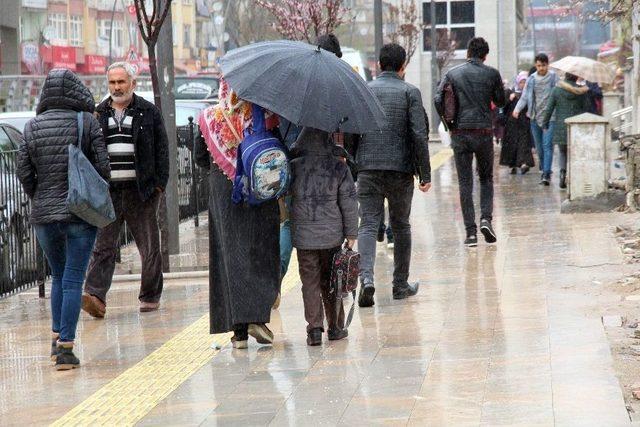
{"points": [[286, 244], [544, 146], [286, 247], [67, 246]]}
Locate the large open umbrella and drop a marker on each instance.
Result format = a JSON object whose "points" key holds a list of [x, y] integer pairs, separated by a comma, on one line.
{"points": [[586, 68], [306, 85]]}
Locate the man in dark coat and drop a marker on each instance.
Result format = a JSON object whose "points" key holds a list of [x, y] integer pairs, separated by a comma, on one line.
{"points": [[475, 86], [138, 151], [386, 163]]}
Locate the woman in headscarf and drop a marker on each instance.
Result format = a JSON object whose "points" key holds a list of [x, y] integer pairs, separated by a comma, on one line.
{"points": [[517, 142], [244, 260]]}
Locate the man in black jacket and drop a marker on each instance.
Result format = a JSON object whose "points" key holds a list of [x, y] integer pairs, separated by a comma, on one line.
{"points": [[386, 162], [138, 151], [475, 86]]}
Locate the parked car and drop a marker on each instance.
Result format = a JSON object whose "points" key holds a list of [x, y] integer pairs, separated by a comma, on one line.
{"points": [[17, 119], [17, 258]]}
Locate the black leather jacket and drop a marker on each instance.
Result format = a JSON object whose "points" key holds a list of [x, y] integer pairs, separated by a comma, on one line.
{"points": [[402, 145], [475, 85]]}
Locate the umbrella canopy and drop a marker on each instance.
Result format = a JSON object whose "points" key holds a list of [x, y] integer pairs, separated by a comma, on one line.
{"points": [[586, 68], [306, 85]]}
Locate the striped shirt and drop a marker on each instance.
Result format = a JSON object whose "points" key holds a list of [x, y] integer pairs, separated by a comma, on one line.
{"points": [[121, 147]]}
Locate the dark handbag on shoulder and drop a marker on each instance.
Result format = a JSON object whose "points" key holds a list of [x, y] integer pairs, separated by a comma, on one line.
{"points": [[344, 279]]}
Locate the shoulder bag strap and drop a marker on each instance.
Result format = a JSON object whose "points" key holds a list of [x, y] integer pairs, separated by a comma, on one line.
{"points": [[80, 129]]}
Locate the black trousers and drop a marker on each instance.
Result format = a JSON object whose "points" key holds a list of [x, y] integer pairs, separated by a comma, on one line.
{"points": [[465, 146]]}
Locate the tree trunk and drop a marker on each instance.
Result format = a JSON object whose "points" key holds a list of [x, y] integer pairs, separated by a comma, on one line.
{"points": [[153, 70], [162, 205]]}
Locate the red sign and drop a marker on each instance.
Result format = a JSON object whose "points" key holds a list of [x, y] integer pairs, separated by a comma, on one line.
{"points": [[132, 10], [59, 56], [95, 64]]}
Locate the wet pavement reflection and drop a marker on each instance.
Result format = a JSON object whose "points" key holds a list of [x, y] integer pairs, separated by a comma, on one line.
{"points": [[487, 341]]}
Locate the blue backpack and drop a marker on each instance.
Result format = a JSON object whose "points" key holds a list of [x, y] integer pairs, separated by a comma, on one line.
{"points": [[262, 171]]}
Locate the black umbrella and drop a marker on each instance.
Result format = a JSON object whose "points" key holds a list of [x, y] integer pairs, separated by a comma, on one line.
{"points": [[306, 85]]}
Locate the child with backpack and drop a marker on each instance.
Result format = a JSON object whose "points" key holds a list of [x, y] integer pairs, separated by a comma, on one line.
{"points": [[324, 213]]}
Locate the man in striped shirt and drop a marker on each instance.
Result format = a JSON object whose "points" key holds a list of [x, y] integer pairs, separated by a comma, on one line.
{"points": [[138, 152]]}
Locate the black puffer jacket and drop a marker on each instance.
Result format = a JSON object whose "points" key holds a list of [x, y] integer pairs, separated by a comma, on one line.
{"points": [[44, 154], [324, 204], [403, 141], [475, 85]]}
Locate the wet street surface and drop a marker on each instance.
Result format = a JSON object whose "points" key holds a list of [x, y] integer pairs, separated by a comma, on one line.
{"points": [[490, 339]]}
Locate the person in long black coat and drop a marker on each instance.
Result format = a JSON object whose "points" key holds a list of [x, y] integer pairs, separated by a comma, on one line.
{"points": [[244, 259], [517, 142]]}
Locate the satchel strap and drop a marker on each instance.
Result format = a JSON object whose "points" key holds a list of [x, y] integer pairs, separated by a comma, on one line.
{"points": [[339, 299]]}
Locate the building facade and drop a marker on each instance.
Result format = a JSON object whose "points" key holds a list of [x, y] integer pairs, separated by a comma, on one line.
{"points": [[86, 35]]}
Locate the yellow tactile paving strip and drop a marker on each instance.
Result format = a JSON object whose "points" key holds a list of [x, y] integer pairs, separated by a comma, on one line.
{"points": [[134, 393]]}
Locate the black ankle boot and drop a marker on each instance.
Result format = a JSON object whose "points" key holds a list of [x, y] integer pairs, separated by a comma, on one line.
{"points": [[563, 178], [65, 359]]}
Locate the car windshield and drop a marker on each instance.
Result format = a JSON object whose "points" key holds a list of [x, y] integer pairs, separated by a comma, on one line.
{"points": [[196, 87]]}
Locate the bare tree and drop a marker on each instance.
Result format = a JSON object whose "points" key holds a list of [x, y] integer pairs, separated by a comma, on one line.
{"points": [[149, 25], [446, 49], [407, 27], [305, 20]]}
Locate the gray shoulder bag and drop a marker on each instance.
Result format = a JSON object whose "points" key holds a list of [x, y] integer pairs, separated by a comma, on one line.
{"points": [[89, 198]]}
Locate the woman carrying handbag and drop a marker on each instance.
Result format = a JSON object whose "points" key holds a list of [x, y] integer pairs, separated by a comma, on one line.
{"points": [[43, 170]]}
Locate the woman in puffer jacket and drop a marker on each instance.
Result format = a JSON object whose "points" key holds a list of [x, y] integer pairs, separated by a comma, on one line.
{"points": [[66, 240]]}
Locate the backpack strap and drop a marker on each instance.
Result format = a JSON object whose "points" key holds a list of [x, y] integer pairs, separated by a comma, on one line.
{"points": [[257, 115], [238, 185], [339, 300]]}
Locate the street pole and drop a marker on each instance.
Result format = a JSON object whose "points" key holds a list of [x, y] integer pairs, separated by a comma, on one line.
{"points": [[434, 66], [164, 55], [533, 28], [113, 15], [377, 23]]}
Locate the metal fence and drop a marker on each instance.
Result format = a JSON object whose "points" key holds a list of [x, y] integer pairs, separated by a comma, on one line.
{"points": [[21, 93], [21, 260], [22, 263]]}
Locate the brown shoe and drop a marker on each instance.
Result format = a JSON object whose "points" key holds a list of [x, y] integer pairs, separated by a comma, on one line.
{"points": [[92, 305], [146, 307]]}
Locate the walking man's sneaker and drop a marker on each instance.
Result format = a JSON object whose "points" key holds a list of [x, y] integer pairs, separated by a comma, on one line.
{"points": [[365, 299], [471, 241], [314, 337], [65, 359], [261, 333], [146, 307], [92, 305], [487, 231], [337, 334], [406, 290]]}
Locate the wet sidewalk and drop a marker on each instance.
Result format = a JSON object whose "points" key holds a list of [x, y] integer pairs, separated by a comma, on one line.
{"points": [[491, 339]]}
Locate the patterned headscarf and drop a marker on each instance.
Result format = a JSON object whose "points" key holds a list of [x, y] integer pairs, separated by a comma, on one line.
{"points": [[223, 127], [522, 75]]}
